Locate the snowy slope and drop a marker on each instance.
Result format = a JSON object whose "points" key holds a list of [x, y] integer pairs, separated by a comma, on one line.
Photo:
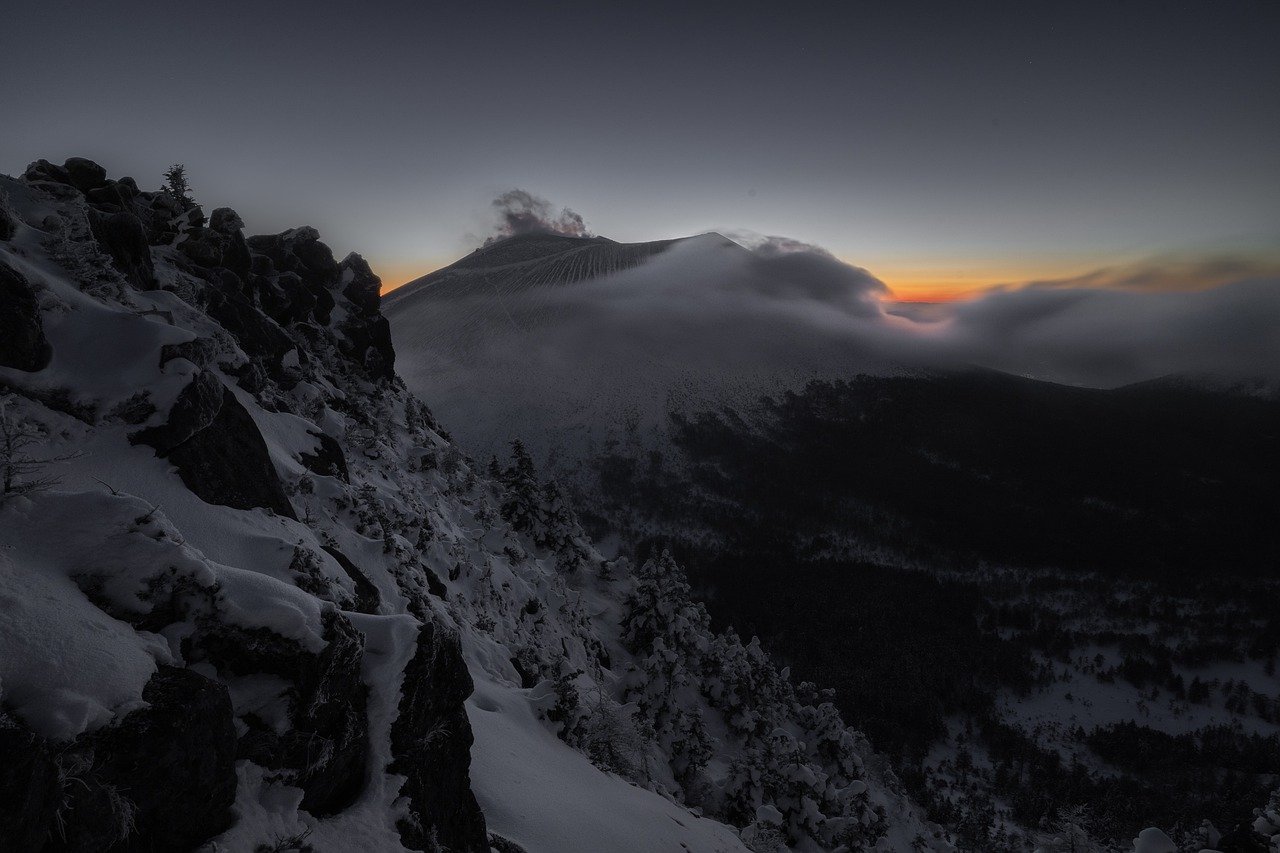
{"points": [[254, 594]]}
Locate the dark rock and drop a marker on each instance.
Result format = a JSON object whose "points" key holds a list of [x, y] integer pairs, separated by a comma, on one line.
{"points": [[203, 246], [367, 596], [22, 342], [235, 250], [114, 196], [364, 290], [327, 459], [122, 236], [8, 222], [258, 335], [217, 448], [167, 771], [198, 351], [529, 676], [287, 299], [44, 171], [303, 295], [224, 220], [29, 789], [367, 332], [431, 745], [85, 174], [367, 342], [326, 748]]}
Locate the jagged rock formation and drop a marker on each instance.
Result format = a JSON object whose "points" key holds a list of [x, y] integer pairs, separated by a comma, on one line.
{"points": [[217, 448]]}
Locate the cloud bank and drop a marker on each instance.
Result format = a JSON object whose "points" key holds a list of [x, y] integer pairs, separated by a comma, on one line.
{"points": [[709, 321]]}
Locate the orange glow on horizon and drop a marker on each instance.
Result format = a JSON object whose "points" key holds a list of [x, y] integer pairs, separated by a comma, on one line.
{"points": [[396, 274]]}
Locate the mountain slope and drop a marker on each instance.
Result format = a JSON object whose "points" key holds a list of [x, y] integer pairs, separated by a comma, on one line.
{"points": [[256, 598]]}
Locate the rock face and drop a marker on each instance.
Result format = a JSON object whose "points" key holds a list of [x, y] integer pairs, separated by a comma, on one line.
{"points": [[122, 236], [22, 342], [368, 331], [326, 748], [163, 778], [304, 340], [217, 448], [431, 744]]}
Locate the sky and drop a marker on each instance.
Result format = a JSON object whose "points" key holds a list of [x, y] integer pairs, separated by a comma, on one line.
{"points": [[945, 147]]}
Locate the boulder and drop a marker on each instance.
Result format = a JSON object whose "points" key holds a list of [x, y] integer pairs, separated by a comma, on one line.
{"points": [[22, 342], [363, 288], [327, 459], [325, 751], [235, 249], [123, 237], [431, 746], [216, 446], [304, 295], [203, 246], [163, 778], [85, 175], [42, 171]]}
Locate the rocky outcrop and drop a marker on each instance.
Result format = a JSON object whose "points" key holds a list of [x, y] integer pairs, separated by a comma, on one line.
{"points": [[327, 459], [258, 288], [431, 745], [217, 448], [123, 238], [162, 778], [367, 332], [326, 748], [22, 342], [295, 273]]}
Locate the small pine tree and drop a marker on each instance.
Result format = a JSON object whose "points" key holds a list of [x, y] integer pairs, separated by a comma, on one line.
{"points": [[176, 185]]}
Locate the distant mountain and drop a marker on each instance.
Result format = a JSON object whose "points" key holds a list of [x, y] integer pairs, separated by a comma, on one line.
{"points": [[567, 341], [529, 261]]}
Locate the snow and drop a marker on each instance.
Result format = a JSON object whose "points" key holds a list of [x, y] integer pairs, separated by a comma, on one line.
{"points": [[65, 666], [550, 799]]}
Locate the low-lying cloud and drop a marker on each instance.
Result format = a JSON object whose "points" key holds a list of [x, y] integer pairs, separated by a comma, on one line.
{"points": [[709, 320]]}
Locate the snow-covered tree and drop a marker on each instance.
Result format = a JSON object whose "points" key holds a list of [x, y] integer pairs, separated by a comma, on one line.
{"points": [[22, 469], [1153, 840], [176, 185], [1266, 822], [1069, 832]]}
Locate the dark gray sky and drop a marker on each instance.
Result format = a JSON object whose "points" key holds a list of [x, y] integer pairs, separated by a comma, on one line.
{"points": [[938, 144]]}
